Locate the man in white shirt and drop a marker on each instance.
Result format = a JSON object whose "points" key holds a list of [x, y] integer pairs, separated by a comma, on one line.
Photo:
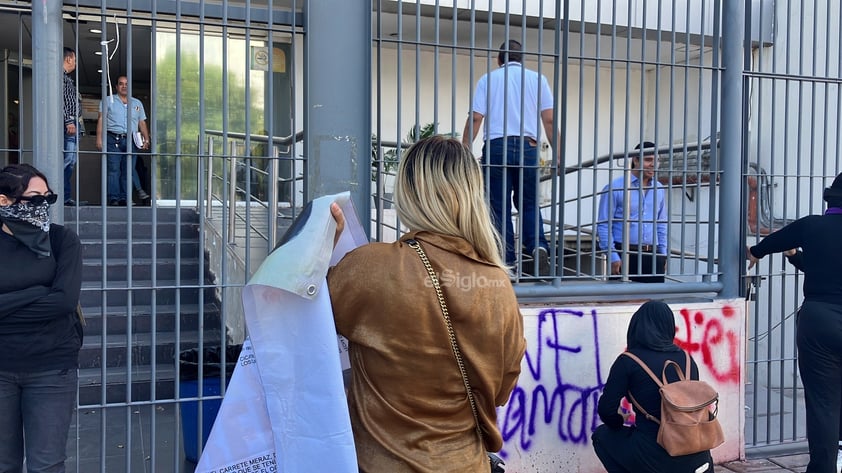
{"points": [[517, 102]]}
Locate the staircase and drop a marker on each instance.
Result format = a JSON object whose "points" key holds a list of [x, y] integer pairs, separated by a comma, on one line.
{"points": [[136, 328]]}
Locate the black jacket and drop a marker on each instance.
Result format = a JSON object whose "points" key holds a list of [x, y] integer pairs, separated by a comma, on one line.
{"points": [[39, 326]]}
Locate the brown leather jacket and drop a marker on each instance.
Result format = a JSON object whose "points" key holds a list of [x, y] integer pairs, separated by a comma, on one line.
{"points": [[408, 406]]}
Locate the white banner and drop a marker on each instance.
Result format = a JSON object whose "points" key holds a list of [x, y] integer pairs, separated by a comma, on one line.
{"points": [[285, 409]]}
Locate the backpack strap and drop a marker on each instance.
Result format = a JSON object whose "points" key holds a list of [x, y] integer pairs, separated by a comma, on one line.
{"points": [[681, 376], [645, 368], [654, 378]]}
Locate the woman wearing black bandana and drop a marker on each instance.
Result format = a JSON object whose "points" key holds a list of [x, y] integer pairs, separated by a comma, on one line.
{"points": [[818, 326], [40, 331], [634, 449]]}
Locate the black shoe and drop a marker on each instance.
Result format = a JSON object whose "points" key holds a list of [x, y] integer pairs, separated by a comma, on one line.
{"points": [[115, 203], [541, 260], [70, 203], [121, 202]]}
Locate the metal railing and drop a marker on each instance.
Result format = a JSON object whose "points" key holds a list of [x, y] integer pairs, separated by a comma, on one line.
{"points": [[236, 181]]}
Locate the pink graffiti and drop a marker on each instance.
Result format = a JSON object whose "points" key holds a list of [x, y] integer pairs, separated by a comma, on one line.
{"points": [[718, 347], [626, 408]]}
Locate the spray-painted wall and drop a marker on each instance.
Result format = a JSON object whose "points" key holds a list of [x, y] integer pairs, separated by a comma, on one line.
{"points": [[548, 421]]}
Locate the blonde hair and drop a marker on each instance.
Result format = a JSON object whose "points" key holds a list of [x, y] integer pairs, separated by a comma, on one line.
{"points": [[439, 188]]}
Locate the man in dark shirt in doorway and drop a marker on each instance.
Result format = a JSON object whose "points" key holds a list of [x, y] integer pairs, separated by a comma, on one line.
{"points": [[71, 121]]}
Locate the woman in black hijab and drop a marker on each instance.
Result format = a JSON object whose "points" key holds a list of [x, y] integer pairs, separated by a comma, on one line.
{"points": [[634, 449]]}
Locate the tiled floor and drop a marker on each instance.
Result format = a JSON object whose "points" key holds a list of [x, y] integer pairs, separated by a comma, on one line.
{"points": [[789, 463], [786, 463], [99, 438]]}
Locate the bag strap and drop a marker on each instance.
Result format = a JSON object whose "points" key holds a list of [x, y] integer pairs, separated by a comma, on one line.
{"points": [[444, 312], [645, 368], [681, 376], [660, 382]]}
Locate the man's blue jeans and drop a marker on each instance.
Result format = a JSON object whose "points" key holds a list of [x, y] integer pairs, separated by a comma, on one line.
{"points": [[35, 411], [71, 153], [509, 178], [116, 162]]}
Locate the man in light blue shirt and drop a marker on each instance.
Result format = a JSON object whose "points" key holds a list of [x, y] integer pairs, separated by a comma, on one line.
{"points": [[120, 141], [516, 103], [647, 219]]}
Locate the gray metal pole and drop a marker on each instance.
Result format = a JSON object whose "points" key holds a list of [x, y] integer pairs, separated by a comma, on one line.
{"points": [[731, 245], [338, 101], [48, 146]]}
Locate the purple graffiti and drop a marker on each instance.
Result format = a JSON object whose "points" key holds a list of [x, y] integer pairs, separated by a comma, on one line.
{"points": [[567, 404]]}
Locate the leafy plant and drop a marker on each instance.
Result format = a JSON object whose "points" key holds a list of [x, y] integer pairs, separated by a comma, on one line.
{"points": [[391, 155]]}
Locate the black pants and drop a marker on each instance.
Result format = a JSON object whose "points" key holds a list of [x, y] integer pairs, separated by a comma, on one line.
{"points": [[628, 450], [645, 266], [819, 339]]}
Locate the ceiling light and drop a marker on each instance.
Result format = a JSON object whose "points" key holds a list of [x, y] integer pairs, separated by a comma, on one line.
{"points": [[95, 31], [98, 53], [99, 70]]}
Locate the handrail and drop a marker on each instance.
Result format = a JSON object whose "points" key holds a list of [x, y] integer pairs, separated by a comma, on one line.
{"points": [[236, 142], [285, 140], [626, 154]]}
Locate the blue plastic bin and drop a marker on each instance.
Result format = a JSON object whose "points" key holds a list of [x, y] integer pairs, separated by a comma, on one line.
{"points": [[211, 386], [190, 414]]}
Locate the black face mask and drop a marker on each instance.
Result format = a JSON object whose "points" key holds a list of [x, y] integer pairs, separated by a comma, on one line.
{"points": [[29, 224]]}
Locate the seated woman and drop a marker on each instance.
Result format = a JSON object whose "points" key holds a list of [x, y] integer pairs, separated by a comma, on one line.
{"points": [[634, 449]]}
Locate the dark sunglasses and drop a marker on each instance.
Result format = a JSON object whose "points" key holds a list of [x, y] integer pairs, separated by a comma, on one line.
{"points": [[39, 199]]}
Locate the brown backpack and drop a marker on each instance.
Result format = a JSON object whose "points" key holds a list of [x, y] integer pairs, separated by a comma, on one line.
{"points": [[687, 424]]}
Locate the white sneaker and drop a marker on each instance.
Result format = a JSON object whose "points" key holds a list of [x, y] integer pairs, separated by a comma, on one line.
{"points": [[839, 459]]}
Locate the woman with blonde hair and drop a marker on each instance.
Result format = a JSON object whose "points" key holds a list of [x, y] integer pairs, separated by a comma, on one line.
{"points": [[418, 402]]}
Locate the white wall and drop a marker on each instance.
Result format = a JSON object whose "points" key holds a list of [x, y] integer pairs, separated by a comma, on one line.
{"points": [[667, 15], [795, 125]]}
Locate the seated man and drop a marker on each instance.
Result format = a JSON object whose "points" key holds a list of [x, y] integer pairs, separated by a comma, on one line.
{"points": [[647, 219]]}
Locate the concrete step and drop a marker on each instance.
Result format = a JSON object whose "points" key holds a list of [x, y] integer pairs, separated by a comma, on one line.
{"points": [[117, 269], [140, 231], [114, 319], [142, 349], [116, 387], [92, 248], [121, 214], [134, 357]]}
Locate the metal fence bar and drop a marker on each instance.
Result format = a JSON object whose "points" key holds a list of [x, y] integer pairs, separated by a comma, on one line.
{"points": [[232, 191]]}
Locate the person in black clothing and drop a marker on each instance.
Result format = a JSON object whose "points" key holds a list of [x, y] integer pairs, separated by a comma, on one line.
{"points": [[40, 329], [818, 325], [634, 449]]}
